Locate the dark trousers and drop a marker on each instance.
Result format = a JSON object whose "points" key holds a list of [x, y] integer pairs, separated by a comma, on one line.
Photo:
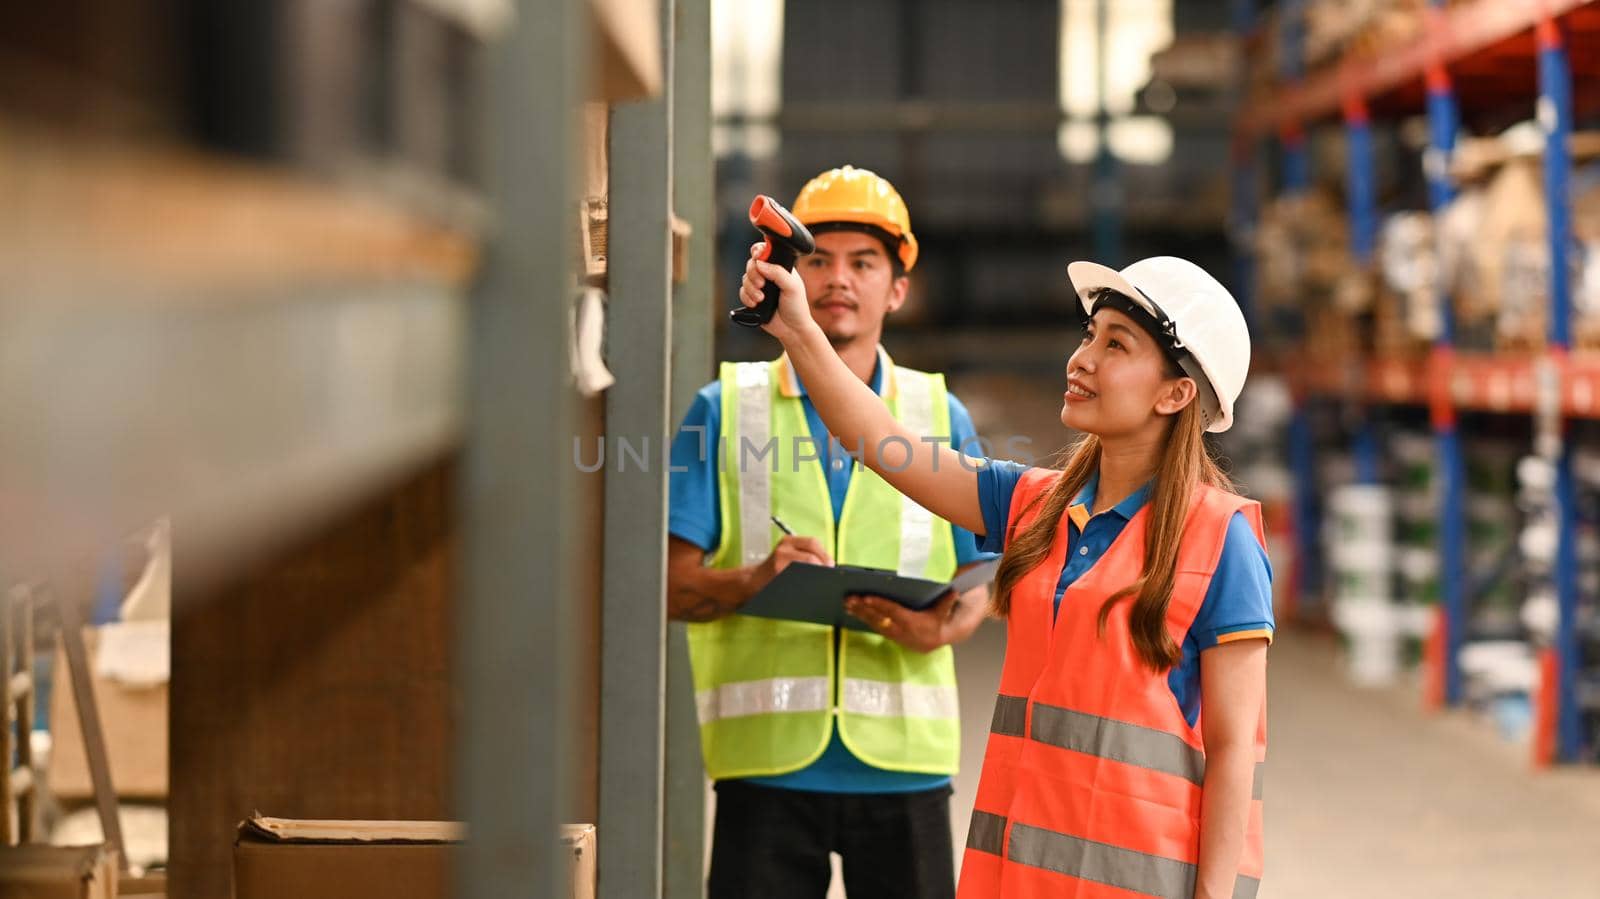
{"points": [[771, 843]]}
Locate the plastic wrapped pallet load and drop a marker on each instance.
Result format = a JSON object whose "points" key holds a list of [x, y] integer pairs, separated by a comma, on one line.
{"points": [[1495, 241], [1361, 548]]}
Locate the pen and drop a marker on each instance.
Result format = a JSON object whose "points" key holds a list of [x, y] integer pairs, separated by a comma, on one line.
{"points": [[781, 526]]}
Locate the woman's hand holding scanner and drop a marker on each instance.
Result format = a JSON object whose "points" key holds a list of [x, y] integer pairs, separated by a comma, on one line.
{"points": [[762, 278], [784, 240], [937, 477]]}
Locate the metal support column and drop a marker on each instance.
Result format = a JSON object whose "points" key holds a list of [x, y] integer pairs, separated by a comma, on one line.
{"points": [[1555, 116], [693, 355], [1243, 202], [1106, 197], [517, 628], [633, 604], [1451, 626]]}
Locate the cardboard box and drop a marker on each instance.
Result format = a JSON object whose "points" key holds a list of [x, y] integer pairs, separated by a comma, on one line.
{"points": [[36, 871], [579, 839], [151, 885], [276, 857], [625, 56], [134, 721]]}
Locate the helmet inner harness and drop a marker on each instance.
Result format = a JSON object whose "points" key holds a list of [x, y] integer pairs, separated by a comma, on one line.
{"points": [[1160, 327]]}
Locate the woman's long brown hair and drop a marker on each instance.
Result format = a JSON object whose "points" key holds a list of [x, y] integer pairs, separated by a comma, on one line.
{"points": [[1184, 465]]}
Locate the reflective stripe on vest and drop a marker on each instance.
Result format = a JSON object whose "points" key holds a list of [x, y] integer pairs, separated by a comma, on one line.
{"points": [[1106, 738], [986, 833], [916, 523], [1091, 770], [768, 692], [755, 488], [1125, 869], [1115, 866], [1010, 716], [888, 699], [881, 699], [761, 697]]}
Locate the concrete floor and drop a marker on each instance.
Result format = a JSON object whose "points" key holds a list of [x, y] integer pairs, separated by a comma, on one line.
{"points": [[1367, 796]]}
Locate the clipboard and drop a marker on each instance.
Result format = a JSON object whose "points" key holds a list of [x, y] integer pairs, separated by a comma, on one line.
{"points": [[976, 575], [815, 593]]}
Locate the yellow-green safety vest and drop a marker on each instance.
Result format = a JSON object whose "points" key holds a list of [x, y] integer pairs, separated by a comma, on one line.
{"points": [[768, 691]]}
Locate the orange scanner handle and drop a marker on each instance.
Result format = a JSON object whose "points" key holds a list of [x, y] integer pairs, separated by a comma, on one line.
{"points": [[785, 241]]}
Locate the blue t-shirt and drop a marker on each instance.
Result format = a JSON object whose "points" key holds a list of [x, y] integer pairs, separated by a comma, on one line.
{"points": [[1238, 604], [695, 516]]}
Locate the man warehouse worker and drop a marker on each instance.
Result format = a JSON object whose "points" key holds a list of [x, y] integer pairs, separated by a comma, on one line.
{"points": [[819, 739]]}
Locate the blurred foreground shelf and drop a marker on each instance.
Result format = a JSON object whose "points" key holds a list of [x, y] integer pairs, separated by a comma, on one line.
{"points": [[241, 347], [181, 221]]}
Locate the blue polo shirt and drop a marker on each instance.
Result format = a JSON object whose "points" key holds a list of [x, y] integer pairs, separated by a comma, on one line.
{"points": [[1237, 606], [694, 515]]}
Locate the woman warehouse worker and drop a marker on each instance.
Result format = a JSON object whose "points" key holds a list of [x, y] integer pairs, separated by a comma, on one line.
{"points": [[1134, 586]]}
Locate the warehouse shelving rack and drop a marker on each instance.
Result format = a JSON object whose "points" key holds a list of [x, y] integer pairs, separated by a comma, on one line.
{"points": [[1474, 56]]}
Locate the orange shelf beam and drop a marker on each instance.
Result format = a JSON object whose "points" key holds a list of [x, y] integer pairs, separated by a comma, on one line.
{"points": [[1452, 36], [1477, 382]]}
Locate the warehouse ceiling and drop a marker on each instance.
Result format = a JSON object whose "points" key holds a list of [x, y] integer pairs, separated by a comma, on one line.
{"points": [[983, 115]]}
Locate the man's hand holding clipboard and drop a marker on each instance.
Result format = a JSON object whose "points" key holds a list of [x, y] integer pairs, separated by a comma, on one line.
{"points": [[921, 615], [950, 620]]}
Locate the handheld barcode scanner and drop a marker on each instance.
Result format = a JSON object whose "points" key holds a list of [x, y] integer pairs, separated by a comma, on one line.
{"points": [[786, 241]]}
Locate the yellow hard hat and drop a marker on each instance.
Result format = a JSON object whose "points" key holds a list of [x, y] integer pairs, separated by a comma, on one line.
{"points": [[859, 197]]}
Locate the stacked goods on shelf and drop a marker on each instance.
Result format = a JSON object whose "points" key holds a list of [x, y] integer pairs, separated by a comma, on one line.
{"points": [[1501, 677], [1586, 468], [1536, 481], [1360, 550], [1487, 251], [1413, 460], [1254, 448], [1407, 315], [1494, 252], [1303, 253], [1335, 28]]}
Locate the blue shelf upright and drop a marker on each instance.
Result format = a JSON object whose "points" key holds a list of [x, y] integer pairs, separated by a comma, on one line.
{"points": [[1361, 196], [1295, 174], [1450, 630], [1555, 117]]}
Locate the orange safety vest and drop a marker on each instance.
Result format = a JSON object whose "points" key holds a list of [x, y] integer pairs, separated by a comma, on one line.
{"points": [[1092, 779]]}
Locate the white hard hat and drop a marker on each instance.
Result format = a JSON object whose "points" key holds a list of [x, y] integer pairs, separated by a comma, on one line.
{"points": [[1202, 321]]}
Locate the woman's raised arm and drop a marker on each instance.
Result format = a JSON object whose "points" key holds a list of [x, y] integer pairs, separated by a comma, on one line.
{"points": [[933, 474]]}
